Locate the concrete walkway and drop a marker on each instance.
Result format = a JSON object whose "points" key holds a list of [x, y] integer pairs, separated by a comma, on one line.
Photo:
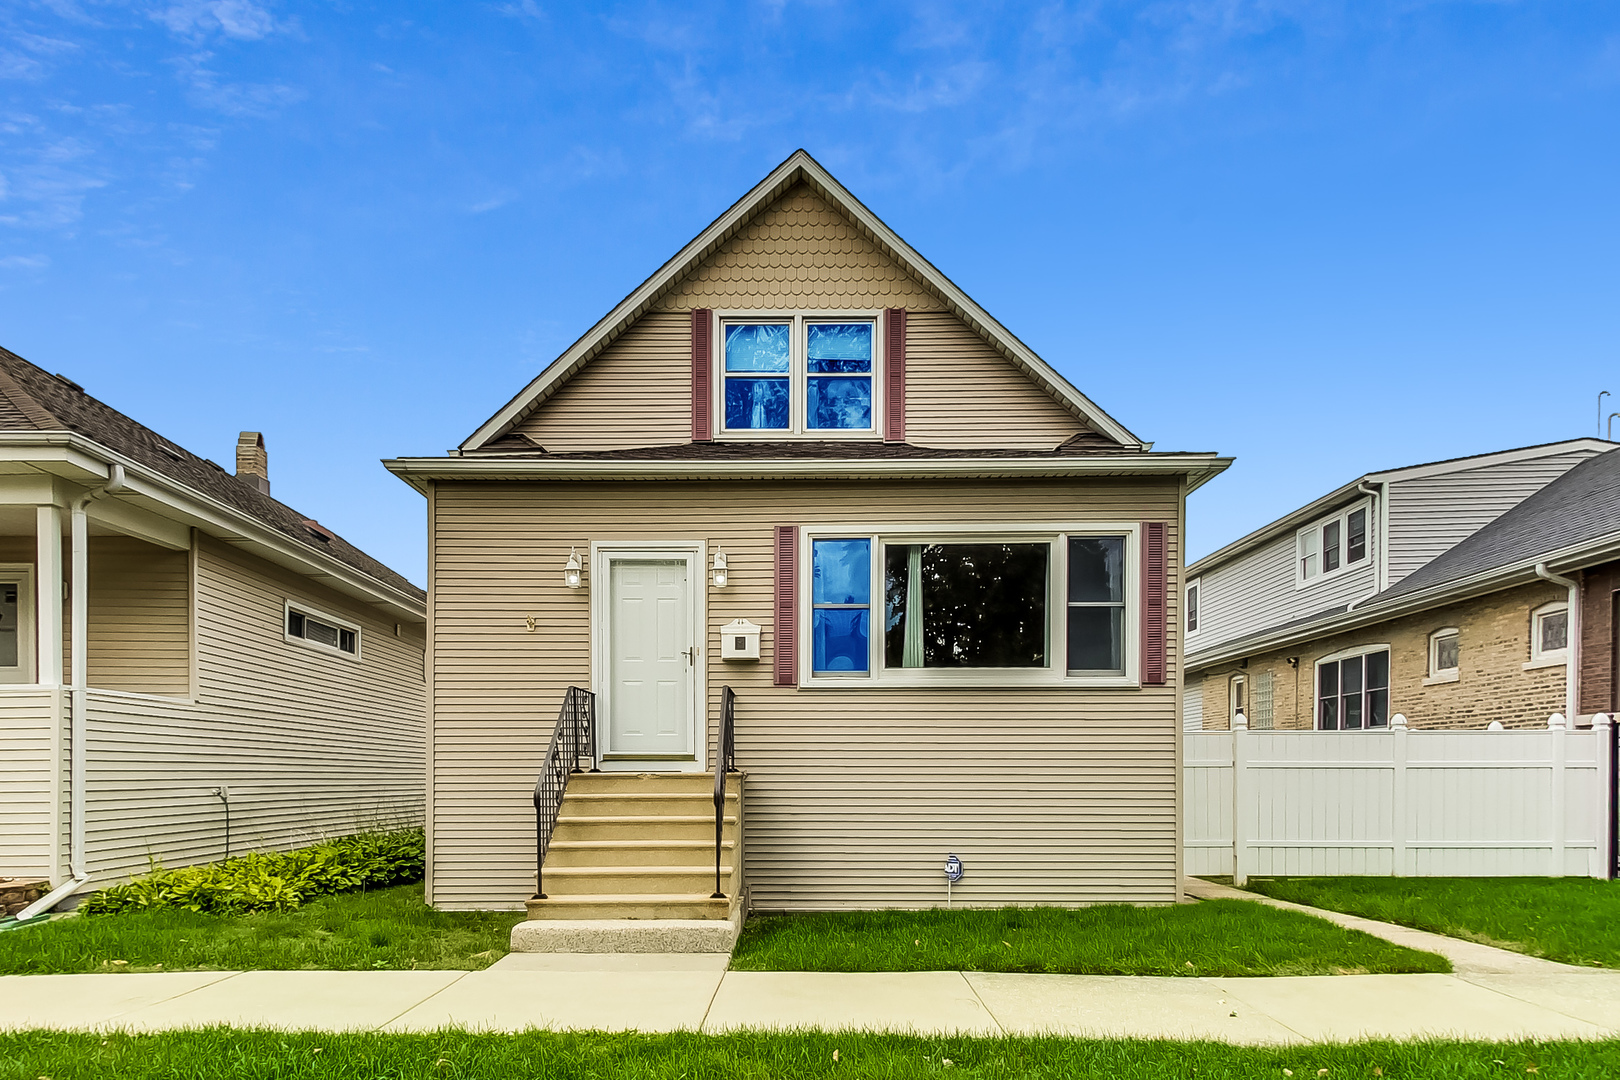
{"points": [[651, 992], [1467, 957]]}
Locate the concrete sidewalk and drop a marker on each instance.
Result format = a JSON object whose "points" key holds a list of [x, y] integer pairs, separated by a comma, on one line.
{"points": [[651, 992], [1467, 957]]}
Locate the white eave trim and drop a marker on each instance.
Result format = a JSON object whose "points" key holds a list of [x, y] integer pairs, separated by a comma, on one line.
{"points": [[1197, 467], [800, 166], [1488, 581], [89, 457]]}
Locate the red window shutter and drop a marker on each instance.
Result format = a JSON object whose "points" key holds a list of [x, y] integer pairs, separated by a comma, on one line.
{"points": [[1155, 646], [702, 365], [785, 654], [894, 375]]}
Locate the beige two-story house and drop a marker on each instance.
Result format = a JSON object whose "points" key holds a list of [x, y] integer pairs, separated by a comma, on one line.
{"points": [[799, 463]]}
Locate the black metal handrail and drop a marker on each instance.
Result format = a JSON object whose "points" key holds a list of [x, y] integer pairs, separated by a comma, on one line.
{"points": [[573, 737], [725, 760]]}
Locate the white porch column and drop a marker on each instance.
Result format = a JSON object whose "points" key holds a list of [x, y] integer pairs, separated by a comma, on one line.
{"points": [[48, 602]]}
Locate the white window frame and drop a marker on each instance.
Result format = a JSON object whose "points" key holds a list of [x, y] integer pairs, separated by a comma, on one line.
{"points": [[1315, 530], [798, 375], [1193, 605], [24, 674], [1055, 674], [1549, 657], [1346, 654], [1437, 674], [1233, 705], [290, 605]]}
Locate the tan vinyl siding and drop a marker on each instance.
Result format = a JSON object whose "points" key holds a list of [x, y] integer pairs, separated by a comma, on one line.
{"points": [[854, 796], [139, 617], [961, 393], [800, 254], [28, 754], [309, 744]]}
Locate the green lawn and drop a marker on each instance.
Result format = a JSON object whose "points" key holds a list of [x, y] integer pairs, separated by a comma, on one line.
{"points": [[1573, 920], [387, 928], [223, 1054], [1219, 937]]}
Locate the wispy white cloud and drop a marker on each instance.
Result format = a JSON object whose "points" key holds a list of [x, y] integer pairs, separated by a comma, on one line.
{"points": [[199, 20], [24, 262]]}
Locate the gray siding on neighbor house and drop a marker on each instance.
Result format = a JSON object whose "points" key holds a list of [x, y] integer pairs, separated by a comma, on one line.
{"points": [[1429, 515], [1256, 592], [1192, 703]]}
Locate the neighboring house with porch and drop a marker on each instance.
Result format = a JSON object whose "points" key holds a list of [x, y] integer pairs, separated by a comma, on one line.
{"points": [[1452, 593], [187, 666], [799, 462]]}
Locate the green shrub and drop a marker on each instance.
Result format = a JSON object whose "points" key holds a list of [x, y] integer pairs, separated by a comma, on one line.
{"points": [[272, 880]]}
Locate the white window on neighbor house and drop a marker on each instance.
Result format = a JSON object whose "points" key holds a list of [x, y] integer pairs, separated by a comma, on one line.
{"points": [[318, 630], [1237, 695], [1444, 655], [1192, 606], [1352, 690], [798, 375], [1549, 634], [1332, 545]]}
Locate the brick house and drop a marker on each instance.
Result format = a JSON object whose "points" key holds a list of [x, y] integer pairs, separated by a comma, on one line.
{"points": [[1511, 620]]}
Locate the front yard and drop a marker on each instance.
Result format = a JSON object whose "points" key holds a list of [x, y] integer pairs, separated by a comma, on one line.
{"points": [[224, 1054], [382, 929], [1219, 937], [1571, 920]]}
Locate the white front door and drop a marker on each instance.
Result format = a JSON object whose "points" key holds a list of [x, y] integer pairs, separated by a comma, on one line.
{"points": [[652, 659]]}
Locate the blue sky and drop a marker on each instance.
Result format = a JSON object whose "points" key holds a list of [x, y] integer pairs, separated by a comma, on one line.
{"points": [[1325, 238]]}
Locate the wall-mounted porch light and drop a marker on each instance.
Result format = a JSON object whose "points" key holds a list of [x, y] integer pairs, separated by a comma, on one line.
{"points": [[573, 572], [718, 572]]}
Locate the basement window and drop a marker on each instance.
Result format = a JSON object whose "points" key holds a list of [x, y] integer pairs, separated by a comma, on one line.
{"points": [[318, 630]]}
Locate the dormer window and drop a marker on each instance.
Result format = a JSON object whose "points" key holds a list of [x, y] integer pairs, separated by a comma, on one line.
{"points": [[798, 375], [1330, 546]]}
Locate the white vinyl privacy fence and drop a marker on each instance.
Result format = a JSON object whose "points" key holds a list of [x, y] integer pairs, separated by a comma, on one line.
{"points": [[1399, 802]]}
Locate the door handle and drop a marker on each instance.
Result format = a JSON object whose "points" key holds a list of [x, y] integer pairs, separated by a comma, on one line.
{"points": [[690, 654]]}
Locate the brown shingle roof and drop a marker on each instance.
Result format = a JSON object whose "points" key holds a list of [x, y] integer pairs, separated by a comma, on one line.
{"points": [[517, 445], [31, 399]]}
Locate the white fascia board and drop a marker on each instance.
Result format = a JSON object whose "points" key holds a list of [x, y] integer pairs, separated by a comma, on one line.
{"points": [[89, 462], [799, 166], [417, 471], [1497, 579]]}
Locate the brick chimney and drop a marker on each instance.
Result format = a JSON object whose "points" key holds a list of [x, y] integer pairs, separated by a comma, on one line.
{"points": [[252, 463]]}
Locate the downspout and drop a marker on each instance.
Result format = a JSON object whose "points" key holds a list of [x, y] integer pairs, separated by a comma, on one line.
{"points": [[78, 683], [1572, 665], [1375, 536]]}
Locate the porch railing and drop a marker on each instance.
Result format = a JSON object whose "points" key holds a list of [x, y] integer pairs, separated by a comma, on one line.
{"points": [[573, 738], [725, 760]]}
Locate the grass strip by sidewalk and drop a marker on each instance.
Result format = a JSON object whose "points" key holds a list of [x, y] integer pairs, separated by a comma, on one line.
{"points": [[224, 1054], [1571, 920], [385, 929], [1219, 937]]}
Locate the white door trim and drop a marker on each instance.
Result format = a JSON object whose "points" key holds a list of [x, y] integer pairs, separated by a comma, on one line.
{"points": [[695, 552]]}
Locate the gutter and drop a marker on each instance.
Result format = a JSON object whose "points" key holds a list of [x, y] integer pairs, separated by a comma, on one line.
{"points": [[244, 524], [1572, 663], [78, 684], [1375, 530], [1199, 468]]}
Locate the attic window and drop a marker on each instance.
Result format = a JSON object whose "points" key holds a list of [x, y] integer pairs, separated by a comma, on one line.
{"points": [[306, 626], [798, 375], [1332, 546]]}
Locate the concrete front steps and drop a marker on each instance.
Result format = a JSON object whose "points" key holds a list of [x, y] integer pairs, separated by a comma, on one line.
{"points": [[630, 868]]}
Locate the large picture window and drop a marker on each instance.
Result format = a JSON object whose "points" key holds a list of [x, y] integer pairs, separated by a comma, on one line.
{"points": [[1352, 692], [997, 609], [798, 375]]}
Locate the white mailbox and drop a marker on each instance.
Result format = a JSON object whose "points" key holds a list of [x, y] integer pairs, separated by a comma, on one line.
{"points": [[739, 640]]}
